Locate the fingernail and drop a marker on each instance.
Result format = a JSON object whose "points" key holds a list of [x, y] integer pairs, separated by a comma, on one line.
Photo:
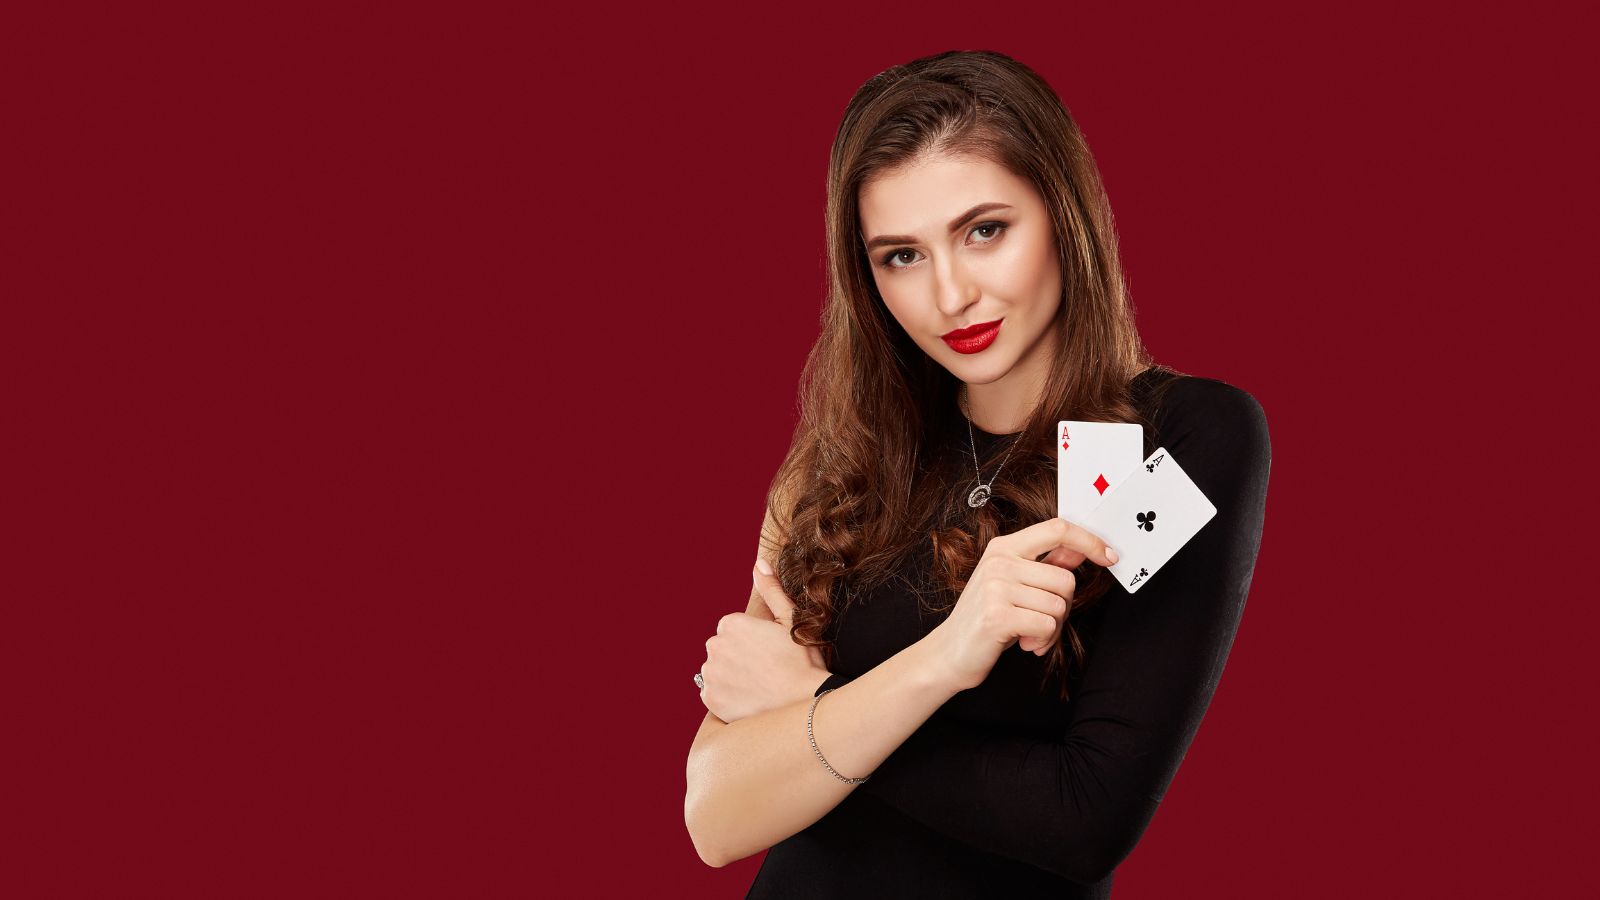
{"points": [[761, 564], [1111, 554]]}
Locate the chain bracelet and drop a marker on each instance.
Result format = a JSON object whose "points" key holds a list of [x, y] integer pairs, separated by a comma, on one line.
{"points": [[813, 739]]}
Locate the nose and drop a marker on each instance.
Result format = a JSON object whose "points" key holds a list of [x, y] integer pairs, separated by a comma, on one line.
{"points": [[956, 292]]}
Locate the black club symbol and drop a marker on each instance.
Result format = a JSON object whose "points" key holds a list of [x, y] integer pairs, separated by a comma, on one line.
{"points": [[1147, 521]]}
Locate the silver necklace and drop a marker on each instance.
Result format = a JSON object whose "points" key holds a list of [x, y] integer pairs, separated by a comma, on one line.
{"points": [[980, 494]]}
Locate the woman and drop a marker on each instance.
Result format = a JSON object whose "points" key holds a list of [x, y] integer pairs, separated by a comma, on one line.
{"points": [[911, 536]]}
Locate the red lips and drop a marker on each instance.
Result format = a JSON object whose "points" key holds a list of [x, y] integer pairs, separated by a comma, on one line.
{"points": [[973, 339], [971, 331]]}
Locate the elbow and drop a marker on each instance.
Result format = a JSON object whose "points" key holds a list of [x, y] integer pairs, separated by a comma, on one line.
{"points": [[711, 817], [717, 848], [692, 820], [707, 857], [702, 842], [693, 805]]}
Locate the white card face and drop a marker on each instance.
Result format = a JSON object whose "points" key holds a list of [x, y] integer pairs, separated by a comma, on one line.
{"points": [[1092, 458], [1149, 517]]}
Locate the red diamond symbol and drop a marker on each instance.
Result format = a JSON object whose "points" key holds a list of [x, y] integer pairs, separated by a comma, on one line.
{"points": [[1100, 484]]}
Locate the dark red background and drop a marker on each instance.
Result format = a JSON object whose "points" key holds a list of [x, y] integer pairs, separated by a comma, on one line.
{"points": [[392, 395]]}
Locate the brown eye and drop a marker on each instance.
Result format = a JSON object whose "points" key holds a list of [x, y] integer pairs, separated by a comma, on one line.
{"points": [[997, 226], [888, 261]]}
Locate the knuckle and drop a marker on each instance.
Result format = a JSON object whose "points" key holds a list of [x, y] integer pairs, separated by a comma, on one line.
{"points": [[990, 612], [994, 592]]}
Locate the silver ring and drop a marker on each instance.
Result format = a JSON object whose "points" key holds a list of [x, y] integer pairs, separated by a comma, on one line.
{"points": [[699, 681]]}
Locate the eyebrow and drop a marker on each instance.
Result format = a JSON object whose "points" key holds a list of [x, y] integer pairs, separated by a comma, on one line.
{"points": [[955, 225]]}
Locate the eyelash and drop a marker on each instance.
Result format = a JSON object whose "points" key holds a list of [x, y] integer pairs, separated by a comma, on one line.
{"points": [[887, 260]]}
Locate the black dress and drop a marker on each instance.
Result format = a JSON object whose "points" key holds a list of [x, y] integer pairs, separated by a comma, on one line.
{"points": [[1006, 790]]}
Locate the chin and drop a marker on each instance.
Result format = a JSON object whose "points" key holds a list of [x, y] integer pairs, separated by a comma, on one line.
{"points": [[986, 372]]}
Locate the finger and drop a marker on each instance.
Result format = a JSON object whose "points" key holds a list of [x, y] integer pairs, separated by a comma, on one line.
{"points": [[1031, 623], [771, 591], [1055, 579], [1036, 646], [1046, 646], [1054, 602], [1040, 648], [1063, 557], [1038, 539], [1040, 600]]}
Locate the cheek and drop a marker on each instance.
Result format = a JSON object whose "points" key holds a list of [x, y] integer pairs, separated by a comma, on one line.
{"points": [[1030, 273], [901, 308]]}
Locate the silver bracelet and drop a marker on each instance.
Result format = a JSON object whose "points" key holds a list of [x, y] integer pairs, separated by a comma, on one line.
{"points": [[811, 737]]}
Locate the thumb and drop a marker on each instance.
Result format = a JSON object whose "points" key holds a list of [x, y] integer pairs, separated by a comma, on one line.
{"points": [[772, 592]]}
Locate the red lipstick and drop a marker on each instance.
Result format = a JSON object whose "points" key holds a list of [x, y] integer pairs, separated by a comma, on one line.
{"points": [[974, 338]]}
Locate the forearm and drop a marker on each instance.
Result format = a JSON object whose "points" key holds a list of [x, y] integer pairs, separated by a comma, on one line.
{"points": [[756, 781]]}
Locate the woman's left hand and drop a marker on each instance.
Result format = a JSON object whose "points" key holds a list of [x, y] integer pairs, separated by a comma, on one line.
{"points": [[753, 665]]}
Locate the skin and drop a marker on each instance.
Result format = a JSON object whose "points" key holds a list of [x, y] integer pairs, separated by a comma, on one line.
{"points": [[752, 664], [937, 281], [751, 782], [943, 281]]}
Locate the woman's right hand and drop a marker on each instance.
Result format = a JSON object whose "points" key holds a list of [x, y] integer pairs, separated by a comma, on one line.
{"points": [[1012, 595]]}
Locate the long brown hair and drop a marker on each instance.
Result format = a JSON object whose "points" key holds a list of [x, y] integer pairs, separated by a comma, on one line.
{"points": [[861, 487]]}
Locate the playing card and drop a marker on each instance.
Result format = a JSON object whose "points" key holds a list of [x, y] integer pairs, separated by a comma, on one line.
{"points": [[1149, 517], [1092, 458]]}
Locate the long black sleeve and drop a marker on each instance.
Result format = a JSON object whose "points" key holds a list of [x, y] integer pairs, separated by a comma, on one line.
{"points": [[1077, 806]]}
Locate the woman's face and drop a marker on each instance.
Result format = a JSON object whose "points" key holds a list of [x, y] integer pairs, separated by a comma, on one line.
{"points": [[940, 269]]}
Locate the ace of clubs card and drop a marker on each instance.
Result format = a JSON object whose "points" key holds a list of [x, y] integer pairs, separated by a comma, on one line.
{"points": [[1149, 517]]}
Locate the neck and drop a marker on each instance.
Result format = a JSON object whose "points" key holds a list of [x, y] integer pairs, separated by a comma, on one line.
{"points": [[995, 409], [1003, 406]]}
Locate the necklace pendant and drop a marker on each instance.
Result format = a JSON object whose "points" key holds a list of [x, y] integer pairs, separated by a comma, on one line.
{"points": [[979, 496]]}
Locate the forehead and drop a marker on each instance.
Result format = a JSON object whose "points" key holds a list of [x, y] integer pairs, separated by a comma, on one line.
{"points": [[922, 196]]}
